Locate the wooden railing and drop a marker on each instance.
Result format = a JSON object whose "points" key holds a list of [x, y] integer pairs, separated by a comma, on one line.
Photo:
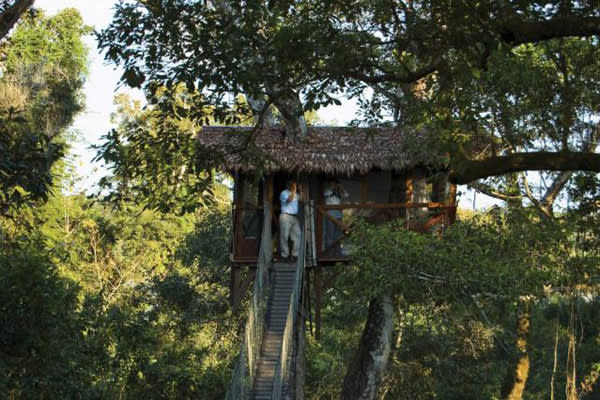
{"points": [[284, 368], [420, 217], [334, 222], [243, 376], [245, 248]]}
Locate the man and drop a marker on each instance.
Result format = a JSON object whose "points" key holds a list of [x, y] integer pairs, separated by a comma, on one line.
{"points": [[289, 226]]}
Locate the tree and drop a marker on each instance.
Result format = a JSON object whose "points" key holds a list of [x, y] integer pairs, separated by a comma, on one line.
{"points": [[44, 67], [438, 60], [100, 302], [448, 45], [153, 153], [41, 334]]}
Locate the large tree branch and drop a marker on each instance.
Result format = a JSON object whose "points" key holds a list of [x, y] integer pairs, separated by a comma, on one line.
{"points": [[10, 16], [546, 211], [492, 192], [396, 77], [519, 31], [552, 192], [547, 201], [464, 171]]}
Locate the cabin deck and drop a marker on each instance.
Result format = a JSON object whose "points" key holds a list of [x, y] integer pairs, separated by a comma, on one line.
{"points": [[419, 217]]}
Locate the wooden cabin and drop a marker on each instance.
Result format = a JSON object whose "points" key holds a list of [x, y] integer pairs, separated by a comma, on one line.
{"points": [[384, 176]]}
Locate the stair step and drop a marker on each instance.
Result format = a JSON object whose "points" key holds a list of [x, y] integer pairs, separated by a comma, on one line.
{"points": [[279, 297], [283, 280], [273, 344]]}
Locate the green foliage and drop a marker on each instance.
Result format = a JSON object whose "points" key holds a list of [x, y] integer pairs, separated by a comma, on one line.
{"points": [[117, 303], [54, 41], [39, 323], [43, 70], [154, 156], [226, 48], [480, 79], [327, 359], [500, 254], [456, 295]]}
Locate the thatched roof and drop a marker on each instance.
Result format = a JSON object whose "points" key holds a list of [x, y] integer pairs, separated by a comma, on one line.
{"points": [[330, 150]]}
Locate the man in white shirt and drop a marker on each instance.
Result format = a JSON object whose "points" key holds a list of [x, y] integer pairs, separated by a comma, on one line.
{"points": [[289, 226]]}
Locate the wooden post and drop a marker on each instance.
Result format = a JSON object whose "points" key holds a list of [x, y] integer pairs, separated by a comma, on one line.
{"points": [[452, 194], [318, 288], [452, 202], [319, 233], [268, 190], [409, 196], [409, 188], [364, 189], [308, 305], [268, 198], [234, 287]]}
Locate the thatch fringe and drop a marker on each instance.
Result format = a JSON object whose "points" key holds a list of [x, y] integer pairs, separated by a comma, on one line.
{"points": [[328, 150]]}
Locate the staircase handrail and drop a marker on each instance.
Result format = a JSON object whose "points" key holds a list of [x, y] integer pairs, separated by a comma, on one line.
{"points": [[282, 368], [245, 368]]}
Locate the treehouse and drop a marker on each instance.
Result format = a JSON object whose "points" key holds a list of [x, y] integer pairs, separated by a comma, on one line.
{"points": [[376, 175], [384, 176]]}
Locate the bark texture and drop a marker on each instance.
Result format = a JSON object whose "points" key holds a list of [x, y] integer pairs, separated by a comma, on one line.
{"points": [[368, 366], [10, 16], [466, 171], [571, 386], [519, 368], [520, 30], [289, 105], [262, 112]]}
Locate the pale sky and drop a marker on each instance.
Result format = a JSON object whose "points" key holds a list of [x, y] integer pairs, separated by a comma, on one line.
{"points": [[101, 88]]}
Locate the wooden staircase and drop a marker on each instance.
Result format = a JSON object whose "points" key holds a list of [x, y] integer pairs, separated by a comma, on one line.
{"points": [[277, 309]]}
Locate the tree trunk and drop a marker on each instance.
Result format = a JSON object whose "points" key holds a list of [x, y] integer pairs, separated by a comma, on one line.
{"points": [[368, 366], [518, 370], [571, 387], [262, 113], [289, 105], [10, 16]]}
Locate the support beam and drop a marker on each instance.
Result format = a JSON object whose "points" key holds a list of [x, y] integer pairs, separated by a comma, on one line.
{"points": [[308, 303], [234, 285], [238, 286], [318, 292], [246, 282], [452, 202]]}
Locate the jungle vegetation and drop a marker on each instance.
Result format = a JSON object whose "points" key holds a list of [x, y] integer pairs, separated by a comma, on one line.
{"points": [[123, 294]]}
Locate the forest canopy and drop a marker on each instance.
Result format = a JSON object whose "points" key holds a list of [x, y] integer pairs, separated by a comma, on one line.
{"points": [[124, 293], [469, 72]]}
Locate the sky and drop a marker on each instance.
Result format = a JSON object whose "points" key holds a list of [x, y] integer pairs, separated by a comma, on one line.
{"points": [[103, 84], [99, 89]]}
